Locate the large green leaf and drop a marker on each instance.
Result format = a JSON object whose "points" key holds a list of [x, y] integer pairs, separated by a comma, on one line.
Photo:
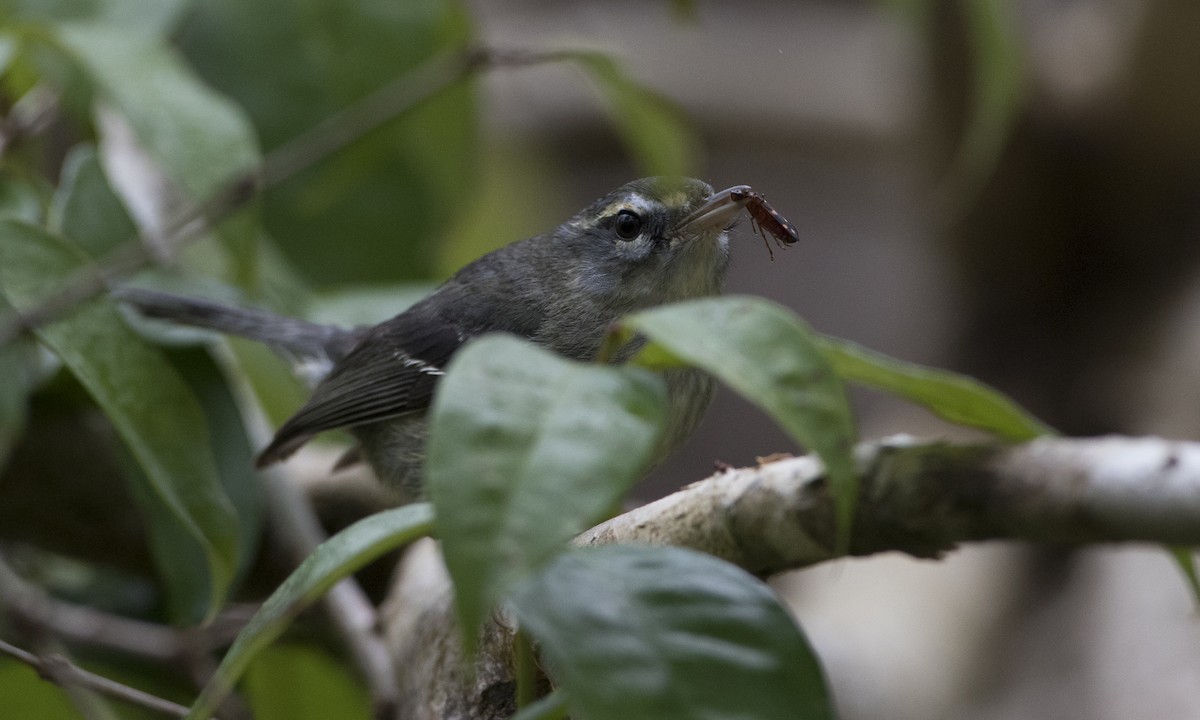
{"points": [[199, 139], [653, 129], [955, 397], [773, 359], [88, 212], [642, 633], [296, 63], [526, 450], [143, 396], [334, 559]]}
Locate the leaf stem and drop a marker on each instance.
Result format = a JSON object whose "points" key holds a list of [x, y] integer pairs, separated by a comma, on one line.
{"points": [[526, 669]]}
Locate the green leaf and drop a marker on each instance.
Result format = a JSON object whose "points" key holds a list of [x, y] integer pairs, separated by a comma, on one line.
{"points": [[293, 682], [334, 559], [640, 633], [141, 393], [526, 450], [199, 139], [652, 128], [998, 90], [8, 51], [19, 200], [28, 696], [685, 11], [771, 358], [148, 16], [349, 306], [230, 442], [551, 707], [295, 63], [948, 395], [1185, 559], [86, 209], [18, 376]]}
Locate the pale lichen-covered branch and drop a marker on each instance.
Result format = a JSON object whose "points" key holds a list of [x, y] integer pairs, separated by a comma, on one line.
{"points": [[918, 498], [925, 498]]}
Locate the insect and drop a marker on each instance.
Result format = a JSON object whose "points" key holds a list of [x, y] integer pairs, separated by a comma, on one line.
{"points": [[766, 219]]}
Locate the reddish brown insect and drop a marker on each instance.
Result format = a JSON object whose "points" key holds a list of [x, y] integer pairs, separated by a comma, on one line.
{"points": [[766, 219]]}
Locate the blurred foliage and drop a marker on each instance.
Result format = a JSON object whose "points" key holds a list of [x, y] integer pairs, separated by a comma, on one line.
{"points": [[295, 682], [124, 113], [367, 213], [28, 696]]}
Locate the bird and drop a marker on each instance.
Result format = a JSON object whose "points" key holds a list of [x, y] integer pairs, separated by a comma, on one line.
{"points": [[647, 243]]}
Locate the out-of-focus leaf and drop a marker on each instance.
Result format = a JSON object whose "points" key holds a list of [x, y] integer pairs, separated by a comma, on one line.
{"points": [[365, 305], [142, 395], [200, 139], [85, 209], [28, 696], [526, 450], [1185, 558], [948, 395], [652, 128], [274, 382], [914, 10], [8, 50], [685, 10], [519, 194], [293, 682], [18, 362], [229, 439], [998, 91], [147, 16], [333, 560], [294, 64], [770, 357], [19, 200], [637, 633]]}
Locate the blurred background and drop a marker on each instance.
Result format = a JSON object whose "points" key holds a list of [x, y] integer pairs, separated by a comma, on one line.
{"points": [[1006, 189]]}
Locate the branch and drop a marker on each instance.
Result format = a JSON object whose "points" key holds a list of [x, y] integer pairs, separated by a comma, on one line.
{"points": [[921, 499], [29, 606], [925, 499], [61, 671]]}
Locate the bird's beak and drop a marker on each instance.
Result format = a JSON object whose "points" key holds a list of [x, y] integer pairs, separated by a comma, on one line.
{"points": [[718, 211]]}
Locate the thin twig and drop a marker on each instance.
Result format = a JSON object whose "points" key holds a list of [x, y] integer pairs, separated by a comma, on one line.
{"points": [[314, 145], [32, 607], [61, 671]]}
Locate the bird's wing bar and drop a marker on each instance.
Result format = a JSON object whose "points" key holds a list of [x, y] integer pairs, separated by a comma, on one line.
{"points": [[393, 371]]}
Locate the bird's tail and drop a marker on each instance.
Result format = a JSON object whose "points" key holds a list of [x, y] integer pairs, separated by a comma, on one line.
{"points": [[301, 339]]}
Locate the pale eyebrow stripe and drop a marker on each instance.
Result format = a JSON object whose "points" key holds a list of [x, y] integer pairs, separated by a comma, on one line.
{"points": [[634, 202]]}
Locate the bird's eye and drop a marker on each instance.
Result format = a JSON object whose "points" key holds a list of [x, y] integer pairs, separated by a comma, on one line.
{"points": [[628, 225]]}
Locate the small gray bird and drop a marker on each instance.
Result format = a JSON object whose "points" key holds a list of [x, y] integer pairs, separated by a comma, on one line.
{"points": [[650, 242]]}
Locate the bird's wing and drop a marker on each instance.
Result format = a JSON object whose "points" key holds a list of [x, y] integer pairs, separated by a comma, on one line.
{"points": [[392, 372]]}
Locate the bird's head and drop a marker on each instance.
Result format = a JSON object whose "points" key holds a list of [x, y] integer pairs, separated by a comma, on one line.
{"points": [[652, 241]]}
